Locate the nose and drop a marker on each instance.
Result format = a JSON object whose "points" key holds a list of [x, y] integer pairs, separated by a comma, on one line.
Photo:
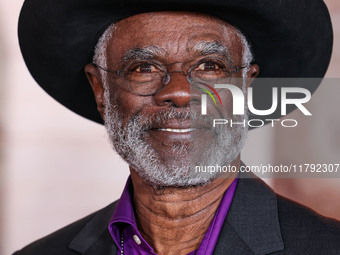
{"points": [[176, 91]]}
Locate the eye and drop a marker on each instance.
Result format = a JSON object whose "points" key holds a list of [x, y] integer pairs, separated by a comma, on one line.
{"points": [[144, 67], [208, 66]]}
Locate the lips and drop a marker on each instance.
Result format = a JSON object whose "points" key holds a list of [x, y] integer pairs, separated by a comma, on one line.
{"points": [[177, 130], [177, 137], [184, 133], [174, 127]]}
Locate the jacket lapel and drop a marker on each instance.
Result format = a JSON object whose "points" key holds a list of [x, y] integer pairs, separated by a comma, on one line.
{"points": [[252, 225], [229, 242], [95, 237]]}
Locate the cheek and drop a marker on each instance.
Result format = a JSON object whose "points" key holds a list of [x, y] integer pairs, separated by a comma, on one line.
{"points": [[128, 104], [227, 98]]}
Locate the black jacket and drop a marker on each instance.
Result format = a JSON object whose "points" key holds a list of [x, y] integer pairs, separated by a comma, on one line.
{"points": [[258, 222]]}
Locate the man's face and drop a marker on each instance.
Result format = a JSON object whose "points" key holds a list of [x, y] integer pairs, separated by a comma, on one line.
{"points": [[162, 136]]}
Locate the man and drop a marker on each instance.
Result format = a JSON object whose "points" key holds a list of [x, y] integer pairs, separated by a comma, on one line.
{"points": [[146, 72]]}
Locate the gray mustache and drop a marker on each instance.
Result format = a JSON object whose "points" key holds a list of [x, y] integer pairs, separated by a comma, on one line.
{"points": [[161, 117]]}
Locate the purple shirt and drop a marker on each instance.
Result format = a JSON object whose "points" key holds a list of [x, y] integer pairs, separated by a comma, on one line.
{"points": [[123, 223]]}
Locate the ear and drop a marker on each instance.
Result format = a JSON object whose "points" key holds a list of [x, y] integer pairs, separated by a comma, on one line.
{"points": [[253, 71], [95, 81]]}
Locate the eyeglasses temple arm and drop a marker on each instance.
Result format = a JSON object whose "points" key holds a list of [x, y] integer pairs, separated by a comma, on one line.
{"points": [[119, 73]]}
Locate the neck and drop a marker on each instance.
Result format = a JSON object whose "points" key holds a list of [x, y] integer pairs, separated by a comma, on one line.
{"points": [[174, 220]]}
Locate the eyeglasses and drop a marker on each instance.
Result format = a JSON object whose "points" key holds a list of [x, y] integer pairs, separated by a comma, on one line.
{"points": [[146, 77]]}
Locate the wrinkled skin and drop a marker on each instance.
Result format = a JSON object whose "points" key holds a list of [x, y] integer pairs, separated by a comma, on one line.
{"points": [[172, 220]]}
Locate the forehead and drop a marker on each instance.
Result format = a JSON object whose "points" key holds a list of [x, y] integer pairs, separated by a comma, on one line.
{"points": [[176, 33]]}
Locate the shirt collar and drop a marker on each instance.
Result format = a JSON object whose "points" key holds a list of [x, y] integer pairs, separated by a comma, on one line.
{"points": [[124, 214]]}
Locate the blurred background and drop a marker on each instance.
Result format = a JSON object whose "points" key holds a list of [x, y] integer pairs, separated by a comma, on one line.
{"points": [[56, 167]]}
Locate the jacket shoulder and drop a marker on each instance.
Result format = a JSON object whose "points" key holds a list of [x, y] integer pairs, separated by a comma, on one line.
{"points": [[304, 229], [59, 241]]}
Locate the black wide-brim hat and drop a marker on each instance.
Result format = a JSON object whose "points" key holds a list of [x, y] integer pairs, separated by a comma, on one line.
{"points": [[290, 39]]}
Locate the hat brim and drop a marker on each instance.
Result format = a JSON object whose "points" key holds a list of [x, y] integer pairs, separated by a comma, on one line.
{"points": [[290, 39]]}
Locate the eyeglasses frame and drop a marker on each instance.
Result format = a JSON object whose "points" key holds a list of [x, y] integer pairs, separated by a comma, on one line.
{"points": [[166, 80]]}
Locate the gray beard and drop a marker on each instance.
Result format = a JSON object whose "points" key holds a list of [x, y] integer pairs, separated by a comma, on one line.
{"points": [[177, 171]]}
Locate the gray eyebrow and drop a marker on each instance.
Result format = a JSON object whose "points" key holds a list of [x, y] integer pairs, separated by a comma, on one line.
{"points": [[147, 52], [209, 48], [200, 49]]}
